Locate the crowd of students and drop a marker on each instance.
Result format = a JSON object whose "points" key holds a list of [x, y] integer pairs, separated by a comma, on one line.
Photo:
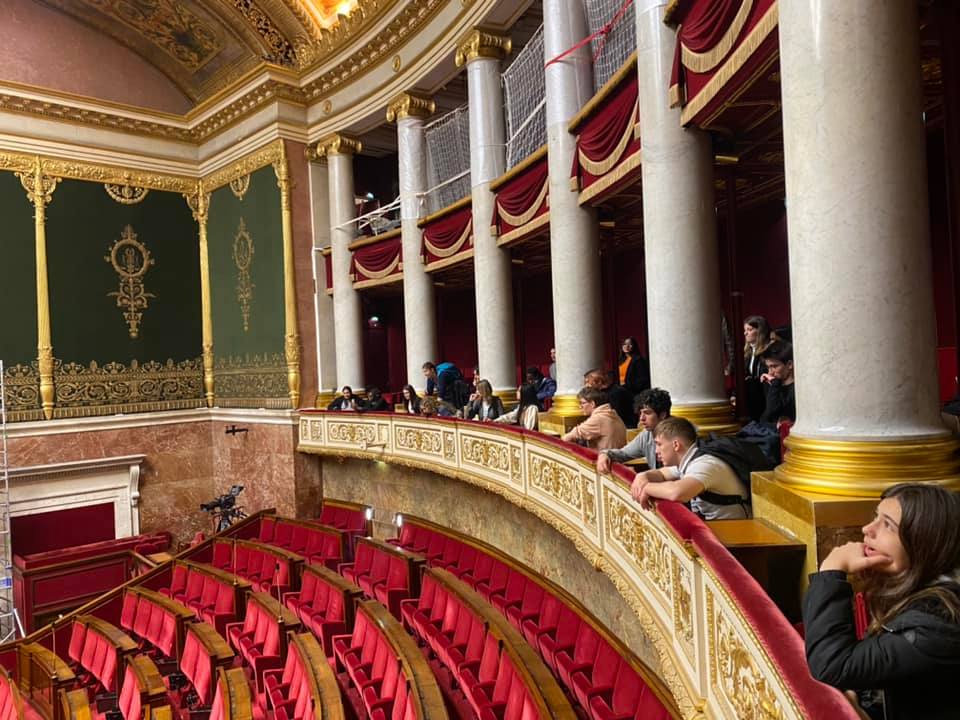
{"points": [[908, 564]]}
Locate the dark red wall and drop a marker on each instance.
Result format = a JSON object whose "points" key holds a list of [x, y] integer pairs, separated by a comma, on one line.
{"points": [[457, 327], [384, 346], [763, 271], [533, 320], [624, 301], [61, 528]]}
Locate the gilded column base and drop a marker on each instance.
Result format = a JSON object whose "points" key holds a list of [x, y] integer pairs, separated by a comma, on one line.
{"points": [[865, 468], [324, 398], [564, 414], [709, 418], [819, 521]]}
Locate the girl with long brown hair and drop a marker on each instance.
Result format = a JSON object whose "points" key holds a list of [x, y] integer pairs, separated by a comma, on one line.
{"points": [[756, 339], [908, 562]]}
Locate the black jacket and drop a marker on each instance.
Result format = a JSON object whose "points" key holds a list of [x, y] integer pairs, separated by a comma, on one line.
{"points": [[638, 374], [914, 659], [494, 410], [781, 402]]}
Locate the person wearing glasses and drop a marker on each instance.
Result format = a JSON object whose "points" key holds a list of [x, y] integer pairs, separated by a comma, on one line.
{"points": [[603, 429]]}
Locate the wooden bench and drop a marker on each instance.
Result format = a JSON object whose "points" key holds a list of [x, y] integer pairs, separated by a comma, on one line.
{"points": [[318, 543], [42, 676], [143, 689], [233, 700]]}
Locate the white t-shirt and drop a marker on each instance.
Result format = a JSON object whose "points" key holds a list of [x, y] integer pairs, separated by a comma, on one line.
{"points": [[717, 477]]}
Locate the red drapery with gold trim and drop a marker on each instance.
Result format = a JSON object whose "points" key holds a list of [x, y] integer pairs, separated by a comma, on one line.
{"points": [[328, 270], [377, 260], [448, 236], [607, 145], [717, 37], [522, 201]]}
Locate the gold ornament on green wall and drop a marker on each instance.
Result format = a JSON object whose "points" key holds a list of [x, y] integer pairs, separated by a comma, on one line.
{"points": [[243, 258], [240, 185], [131, 260], [126, 194]]}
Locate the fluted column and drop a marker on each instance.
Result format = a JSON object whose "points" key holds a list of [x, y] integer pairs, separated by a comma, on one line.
{"points": [[347, 311], [680, 239], [860, 265], [419, 306], [199, 204], [574, 232], [291, 334], [323, 303], [482, 52]]}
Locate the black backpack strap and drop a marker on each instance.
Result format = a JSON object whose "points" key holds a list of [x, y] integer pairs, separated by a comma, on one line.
{"points": [[718, 499]]}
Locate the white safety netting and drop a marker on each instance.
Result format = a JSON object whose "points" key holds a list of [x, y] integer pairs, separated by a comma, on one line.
{"points": [[448, 159], [610, 50], [523, 98]]}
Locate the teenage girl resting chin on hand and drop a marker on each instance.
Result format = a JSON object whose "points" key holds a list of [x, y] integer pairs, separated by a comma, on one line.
{"points": [[908, 562]]}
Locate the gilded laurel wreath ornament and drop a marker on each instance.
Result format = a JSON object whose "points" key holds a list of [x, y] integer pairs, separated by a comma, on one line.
{"points": [[243, 259], [125, 194], [131, 260], [240, 185]]}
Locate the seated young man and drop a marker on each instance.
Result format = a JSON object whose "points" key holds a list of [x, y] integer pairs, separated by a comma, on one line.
{"points": [[653, 406], [546, 387], [687, 476], [603, 428], [781, 401], [345, 401]]}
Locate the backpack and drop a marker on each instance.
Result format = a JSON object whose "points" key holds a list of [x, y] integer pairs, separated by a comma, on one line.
{"points": [[742, 456]]}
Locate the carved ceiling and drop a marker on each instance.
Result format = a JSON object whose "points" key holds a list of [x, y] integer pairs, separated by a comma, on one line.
{"points": [[204, 45]]}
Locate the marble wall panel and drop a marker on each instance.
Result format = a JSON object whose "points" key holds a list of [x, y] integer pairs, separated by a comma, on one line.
{"points": [[488, 517]]}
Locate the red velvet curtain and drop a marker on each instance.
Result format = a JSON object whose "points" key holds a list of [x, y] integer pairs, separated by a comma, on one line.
{"points": [[328, 268], [605, 129], [700, 28], [376, 257], [444, 233], [518, 195]]}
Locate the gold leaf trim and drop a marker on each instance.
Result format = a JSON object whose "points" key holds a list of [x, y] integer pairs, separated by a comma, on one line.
{"points": [[267, 155], [453, 249], [378, 274], [131, 260], [240, 185], [602, 167], [252, 381], [525, 217], [243, 259], [126, 194]]}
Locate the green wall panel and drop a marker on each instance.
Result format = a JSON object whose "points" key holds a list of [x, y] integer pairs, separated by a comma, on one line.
{"points": [[18, 299], [250, 365], [157, 369]]}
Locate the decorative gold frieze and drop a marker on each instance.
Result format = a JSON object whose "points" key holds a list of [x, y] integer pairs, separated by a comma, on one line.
{"points": [[279, 49], [337, 144], [479, 43], [267, 155], [130, 259], [125, 194], [416, 440], [488, 454], [22, 392], [114, 387], [407, 105], [79, 170], [252, 381], [558, 481], [243, 258], [637, 539], [353, 433], [683, 607]]}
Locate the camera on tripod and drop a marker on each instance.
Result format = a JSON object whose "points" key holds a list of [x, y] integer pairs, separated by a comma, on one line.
{"points": [[224, 509]]}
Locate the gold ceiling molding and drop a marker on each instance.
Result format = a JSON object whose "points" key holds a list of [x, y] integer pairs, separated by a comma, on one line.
{"points": [[267, 155], [263, 94], [482, 44], [410, 105], [279, 49], [107, 174], [335, 144]]}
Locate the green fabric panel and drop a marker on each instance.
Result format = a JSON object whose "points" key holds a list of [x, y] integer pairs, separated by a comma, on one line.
{"points": [[260, 211], [83, 223], [18, 270]]}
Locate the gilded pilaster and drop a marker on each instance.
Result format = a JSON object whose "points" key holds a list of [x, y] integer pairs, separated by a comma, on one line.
{"points": [[40, 189], [407, 105], [199, 204], [292, 336]]}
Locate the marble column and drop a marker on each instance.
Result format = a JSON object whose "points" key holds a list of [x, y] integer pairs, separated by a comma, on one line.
{"points": [[323, 303], [419, 305], [482, 52], [574, 231], [860, 263], [680, 239], [347, 311]]}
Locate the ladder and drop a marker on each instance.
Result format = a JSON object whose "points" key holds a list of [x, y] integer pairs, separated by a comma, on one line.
{"points": [[10, 624]]}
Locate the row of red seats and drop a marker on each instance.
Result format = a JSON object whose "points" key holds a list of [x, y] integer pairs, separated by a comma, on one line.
{"points": [[318, 544], [203, 651], [293, 693], [266, 568], [212, 596], [156, 619], [384, 572], [95, 654], [578, 653], [149, 542], [261, 638], [324, 604], [479, 656], [353, 519], [369, 660]]}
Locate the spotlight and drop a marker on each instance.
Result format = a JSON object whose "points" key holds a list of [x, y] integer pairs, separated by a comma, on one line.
{"points": [[398, 520], [368, 513]]}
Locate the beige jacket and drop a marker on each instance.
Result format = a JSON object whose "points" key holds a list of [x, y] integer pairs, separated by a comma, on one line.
{"points": [[601, 431]]}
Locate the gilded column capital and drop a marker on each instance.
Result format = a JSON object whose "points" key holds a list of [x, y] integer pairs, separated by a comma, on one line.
{"points": [[337, 144], [407, 105], [478, 44]]}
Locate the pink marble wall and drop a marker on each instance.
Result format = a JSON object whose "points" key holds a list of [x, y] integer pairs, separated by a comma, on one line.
{"points": [[44, 47], [303, 259], [192, 462]]}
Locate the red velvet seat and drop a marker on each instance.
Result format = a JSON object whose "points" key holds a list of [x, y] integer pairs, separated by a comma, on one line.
{"points": [[581, 656], [129, 703], [597, 678], [561, 638]]}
